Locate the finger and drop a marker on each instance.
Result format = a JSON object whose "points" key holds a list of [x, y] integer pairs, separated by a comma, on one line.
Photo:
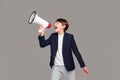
{"points": [[40, 27], [86, 71]]}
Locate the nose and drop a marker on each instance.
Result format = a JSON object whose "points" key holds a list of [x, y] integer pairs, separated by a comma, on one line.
{"points": [[54, 25]]}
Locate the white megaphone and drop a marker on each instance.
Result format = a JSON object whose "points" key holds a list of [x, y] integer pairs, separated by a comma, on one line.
{"points": [[34, 18]]}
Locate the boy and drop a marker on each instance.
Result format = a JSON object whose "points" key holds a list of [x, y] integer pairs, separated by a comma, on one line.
{"points": [[62, 44]]}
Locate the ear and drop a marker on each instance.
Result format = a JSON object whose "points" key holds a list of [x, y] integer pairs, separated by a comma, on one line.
{"points": [[64, 26]]}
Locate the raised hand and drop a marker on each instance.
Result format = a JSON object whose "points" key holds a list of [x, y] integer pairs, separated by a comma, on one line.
{"points": [[41, 30]]}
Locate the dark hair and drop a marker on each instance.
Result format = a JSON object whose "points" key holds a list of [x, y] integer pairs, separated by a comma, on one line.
{"points": [[64, 22]]}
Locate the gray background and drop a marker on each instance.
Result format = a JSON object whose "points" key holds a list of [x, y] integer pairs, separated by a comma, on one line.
{"points": [[94, 23]]}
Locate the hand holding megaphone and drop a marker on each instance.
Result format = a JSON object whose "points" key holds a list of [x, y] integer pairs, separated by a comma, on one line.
{"points": [[41, 30], [34, 18]]}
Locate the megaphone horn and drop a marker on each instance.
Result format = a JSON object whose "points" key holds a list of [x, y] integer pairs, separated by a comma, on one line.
{"points": [[34, 18]]}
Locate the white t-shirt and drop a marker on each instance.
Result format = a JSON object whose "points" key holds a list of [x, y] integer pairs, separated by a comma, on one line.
{"points": [[59, 56]]}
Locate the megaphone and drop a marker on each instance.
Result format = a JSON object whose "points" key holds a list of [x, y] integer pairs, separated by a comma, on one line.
{"points": [[34, 18]]}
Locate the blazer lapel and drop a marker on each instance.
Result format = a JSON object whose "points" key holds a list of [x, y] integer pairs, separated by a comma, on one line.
{"points": [[63, 44], [55, 43], [64, 41], [56, 39]]}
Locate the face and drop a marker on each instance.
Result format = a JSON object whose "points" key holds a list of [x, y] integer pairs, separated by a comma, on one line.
{"points": [[58, 27]]}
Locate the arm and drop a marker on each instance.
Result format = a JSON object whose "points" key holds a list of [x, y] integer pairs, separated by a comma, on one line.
{"points": [[41, 38], [78, 56], [77, 53], [43, 42]]}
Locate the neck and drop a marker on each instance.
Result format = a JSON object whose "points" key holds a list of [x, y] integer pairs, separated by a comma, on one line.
{"points": [[61, 32]]}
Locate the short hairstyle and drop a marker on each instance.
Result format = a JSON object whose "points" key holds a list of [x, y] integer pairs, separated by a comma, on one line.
{"points": [[64, 22]]}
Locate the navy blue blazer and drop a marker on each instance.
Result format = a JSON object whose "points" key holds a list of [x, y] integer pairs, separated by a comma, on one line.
{"points": [[69, 45]]}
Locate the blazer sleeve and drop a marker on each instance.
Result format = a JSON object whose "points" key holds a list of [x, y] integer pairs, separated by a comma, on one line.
{"points": [[43, 42], [77, 53]]}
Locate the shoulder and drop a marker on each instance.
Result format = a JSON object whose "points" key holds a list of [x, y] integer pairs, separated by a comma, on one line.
{"points": [[53, 35], [69, 34], [66, 34]]}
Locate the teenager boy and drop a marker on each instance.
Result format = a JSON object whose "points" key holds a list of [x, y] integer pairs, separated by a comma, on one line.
{"points": [[62, 44]]}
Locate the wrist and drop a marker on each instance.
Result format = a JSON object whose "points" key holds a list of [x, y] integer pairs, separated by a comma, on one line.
{"points": [[41, 35]]}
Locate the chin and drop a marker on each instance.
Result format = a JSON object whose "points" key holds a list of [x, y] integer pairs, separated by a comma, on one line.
{"points": [[56, 31]]}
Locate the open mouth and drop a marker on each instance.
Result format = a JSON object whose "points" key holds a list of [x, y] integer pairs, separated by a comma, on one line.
{"points": [[55, 27]]}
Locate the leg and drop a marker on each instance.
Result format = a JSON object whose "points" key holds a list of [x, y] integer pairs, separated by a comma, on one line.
{"points": [[70, 75], [56, 73]]}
